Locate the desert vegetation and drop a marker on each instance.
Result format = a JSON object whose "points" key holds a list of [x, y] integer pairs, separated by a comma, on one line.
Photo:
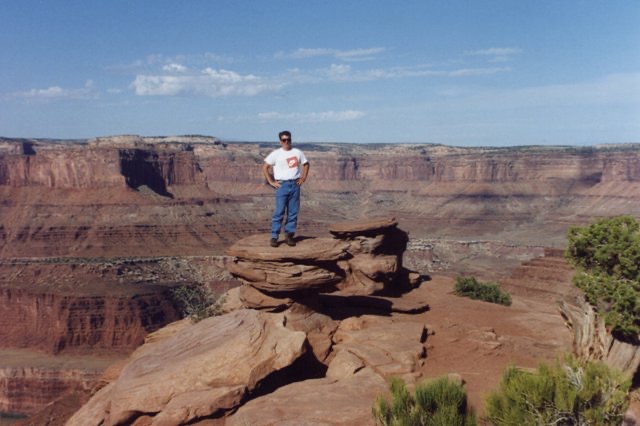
{"points": [[198, 301], [488, 291], [438, 402], [607, 255], [576, 392]]}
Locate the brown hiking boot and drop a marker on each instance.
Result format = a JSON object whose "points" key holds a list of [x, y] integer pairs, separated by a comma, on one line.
{"points": [[290, 241], [273, 242]]}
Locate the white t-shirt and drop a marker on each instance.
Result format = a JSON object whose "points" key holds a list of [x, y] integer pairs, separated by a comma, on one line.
{"points": [[286, 164]]}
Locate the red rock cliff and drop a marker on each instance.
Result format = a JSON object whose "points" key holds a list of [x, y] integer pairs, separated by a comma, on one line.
{"points": [[81, 324], [192, 195]]}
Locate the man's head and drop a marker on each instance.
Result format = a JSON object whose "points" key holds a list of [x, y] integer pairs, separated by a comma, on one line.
{"points": [[285, 139]]}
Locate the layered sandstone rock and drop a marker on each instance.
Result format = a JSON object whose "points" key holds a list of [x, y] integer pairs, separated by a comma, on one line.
{"points": [[249, 365], [30, 380], [194, 195], [375, 252], [205, 369], [363, 258], [308, 266], [322, 401], [368, 351], [57, 322]]}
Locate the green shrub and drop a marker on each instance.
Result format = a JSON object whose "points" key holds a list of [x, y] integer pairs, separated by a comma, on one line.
{"points": [[474, 289], [435, 403], [608, 246], [577, 392], [198, 301], [607, 253]]}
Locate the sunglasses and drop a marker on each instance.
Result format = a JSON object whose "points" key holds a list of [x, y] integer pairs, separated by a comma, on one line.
{"points": [[285, 140]]}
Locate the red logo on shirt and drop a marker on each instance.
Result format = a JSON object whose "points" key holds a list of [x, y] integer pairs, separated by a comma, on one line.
{"points": [[292, 162]]}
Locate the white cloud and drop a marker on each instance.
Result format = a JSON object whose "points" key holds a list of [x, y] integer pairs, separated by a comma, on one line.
{"points": [[347, 73], [496, 54], [211, 82], [347, 55], [313, 117], [496, 51], [466, 72], [173, 67], [57, 92], [174, 63]]}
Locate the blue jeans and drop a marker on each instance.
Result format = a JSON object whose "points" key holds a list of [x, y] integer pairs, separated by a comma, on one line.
{"points": [[287, 197]]}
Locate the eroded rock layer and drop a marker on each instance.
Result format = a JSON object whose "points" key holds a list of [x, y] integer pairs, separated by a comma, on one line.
{"points": [[206, 369], [54, 322], [329, 356], [194, 195], [363, 258]]}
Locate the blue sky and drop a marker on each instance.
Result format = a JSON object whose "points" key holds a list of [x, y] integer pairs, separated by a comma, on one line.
{"points": [[454, 72]]}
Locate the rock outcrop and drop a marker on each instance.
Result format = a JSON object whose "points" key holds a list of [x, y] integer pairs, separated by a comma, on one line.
{"points": [[363, 258], [295, 346], [203, 370]]}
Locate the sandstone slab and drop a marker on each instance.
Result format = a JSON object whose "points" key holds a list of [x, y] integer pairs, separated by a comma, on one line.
{"points": [[256, 247], [317, 402], [207, 368], [343, 365], [390, 346], [284, 276]]}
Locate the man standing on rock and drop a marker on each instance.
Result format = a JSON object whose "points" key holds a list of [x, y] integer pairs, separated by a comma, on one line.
{"points": [[290, 170]]}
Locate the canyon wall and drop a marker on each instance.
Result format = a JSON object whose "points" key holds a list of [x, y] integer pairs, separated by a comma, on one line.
{"points": [[193, 195], [54, 323], [26, 390], [136, 161]]}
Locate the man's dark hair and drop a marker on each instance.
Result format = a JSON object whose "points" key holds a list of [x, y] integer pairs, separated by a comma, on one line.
{"points": [[284, 133]]}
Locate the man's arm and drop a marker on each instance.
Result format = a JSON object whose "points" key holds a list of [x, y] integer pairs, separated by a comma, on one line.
{"points": [[305, 173], [267, 175]]}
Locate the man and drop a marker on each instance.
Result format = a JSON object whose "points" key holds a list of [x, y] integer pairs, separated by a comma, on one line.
{"points": [[290, 171]]}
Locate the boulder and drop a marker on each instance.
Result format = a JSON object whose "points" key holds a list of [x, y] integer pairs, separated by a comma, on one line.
{"points": [[252, 298], [389, 346], [205, 369], [319, 328], [343, 365]]}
